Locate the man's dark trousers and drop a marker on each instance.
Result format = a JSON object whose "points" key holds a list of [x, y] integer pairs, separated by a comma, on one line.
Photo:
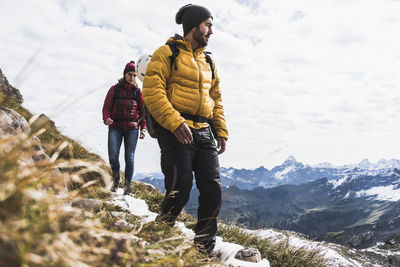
{"points": [[178, 162]]}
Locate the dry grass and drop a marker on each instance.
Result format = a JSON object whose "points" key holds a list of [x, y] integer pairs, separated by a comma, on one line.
{"points": [[37, 225]]}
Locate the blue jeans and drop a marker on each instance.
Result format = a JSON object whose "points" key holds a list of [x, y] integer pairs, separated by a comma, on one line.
{"points": [[130, 138]]}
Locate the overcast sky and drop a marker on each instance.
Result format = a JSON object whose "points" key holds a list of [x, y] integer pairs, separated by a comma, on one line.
{"points": [[318, 80]]}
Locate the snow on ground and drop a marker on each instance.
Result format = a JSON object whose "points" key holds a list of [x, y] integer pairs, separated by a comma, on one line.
{"points": [[227, 250], [136, 206], [333, 257], [383, 252], [385, 193]]}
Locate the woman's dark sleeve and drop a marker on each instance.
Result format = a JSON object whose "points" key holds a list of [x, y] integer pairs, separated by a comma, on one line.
{"points": [[107, 106]]}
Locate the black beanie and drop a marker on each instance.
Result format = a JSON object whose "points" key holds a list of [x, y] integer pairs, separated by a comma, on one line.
{"points": [[191, 16]]}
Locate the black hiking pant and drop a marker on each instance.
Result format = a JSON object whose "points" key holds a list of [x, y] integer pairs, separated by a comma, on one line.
{"points": [[178, 162]]}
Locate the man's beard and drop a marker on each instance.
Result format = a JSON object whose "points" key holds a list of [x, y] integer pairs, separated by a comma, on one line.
{"points": [[199, 37]]}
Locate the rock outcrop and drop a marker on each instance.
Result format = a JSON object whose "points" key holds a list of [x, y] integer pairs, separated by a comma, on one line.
{"points": [[12, 123], [9, 90], [249, 254]]}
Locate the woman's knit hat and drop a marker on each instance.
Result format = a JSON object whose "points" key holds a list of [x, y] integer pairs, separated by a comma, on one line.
{"points": [[130, 67], [191, 16]]}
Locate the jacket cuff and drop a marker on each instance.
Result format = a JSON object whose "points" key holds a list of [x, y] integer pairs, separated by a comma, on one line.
{"points": [[222, 134], [176, 124]]}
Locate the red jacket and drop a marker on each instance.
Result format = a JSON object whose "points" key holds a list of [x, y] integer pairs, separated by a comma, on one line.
{"points": [[126, 112]]}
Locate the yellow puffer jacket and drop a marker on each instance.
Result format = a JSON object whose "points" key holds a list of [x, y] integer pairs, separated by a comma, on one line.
{"points": [[187, 87]]}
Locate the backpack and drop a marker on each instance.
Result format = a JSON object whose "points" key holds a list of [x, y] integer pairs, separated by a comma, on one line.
{"points": [[151, 124], [117, 89]]}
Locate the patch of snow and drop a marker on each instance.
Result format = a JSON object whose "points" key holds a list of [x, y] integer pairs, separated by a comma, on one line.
{"points": [[385, 193], [279, 175], [186, 231], [227, 250], [135, 206], [242, 180], [338, 182], [383, 252]]}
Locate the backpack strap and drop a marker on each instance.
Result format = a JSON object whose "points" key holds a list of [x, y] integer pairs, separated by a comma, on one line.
{"points": [[117, 88], [175, 53], [209, 61]]}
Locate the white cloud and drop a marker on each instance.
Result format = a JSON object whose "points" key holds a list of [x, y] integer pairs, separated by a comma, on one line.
{"points": [[305, 78]]}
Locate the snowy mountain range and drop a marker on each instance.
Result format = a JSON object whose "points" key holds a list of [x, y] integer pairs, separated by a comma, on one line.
{"points": [[314, 207], [294, 172]]}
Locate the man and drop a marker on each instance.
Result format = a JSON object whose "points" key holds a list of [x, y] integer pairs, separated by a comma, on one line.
{"points": [[184, 97]]}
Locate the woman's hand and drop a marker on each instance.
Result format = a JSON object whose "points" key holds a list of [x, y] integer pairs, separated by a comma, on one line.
{"points": [[142, 133], [108, 121]]}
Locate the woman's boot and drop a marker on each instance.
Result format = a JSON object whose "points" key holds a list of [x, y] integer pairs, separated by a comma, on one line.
{"points": [[115, 184], [127, 189]]}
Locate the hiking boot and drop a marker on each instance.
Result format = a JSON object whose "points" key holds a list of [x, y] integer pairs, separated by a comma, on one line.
{"points": [[128, 190], [115, 184], [166, 218], [204, 244]]}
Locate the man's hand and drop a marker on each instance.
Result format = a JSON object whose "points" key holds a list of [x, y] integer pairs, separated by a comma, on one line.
{"points": [[221, 145], [183, 134], [142, 133], [108, 121]]}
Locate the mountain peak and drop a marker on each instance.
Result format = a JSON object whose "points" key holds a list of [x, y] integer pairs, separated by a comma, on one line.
{"points": [[261, 168], [290, 160]]}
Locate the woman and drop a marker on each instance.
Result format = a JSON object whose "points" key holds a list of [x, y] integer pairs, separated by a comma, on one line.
{"points": [[123, 112]]}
